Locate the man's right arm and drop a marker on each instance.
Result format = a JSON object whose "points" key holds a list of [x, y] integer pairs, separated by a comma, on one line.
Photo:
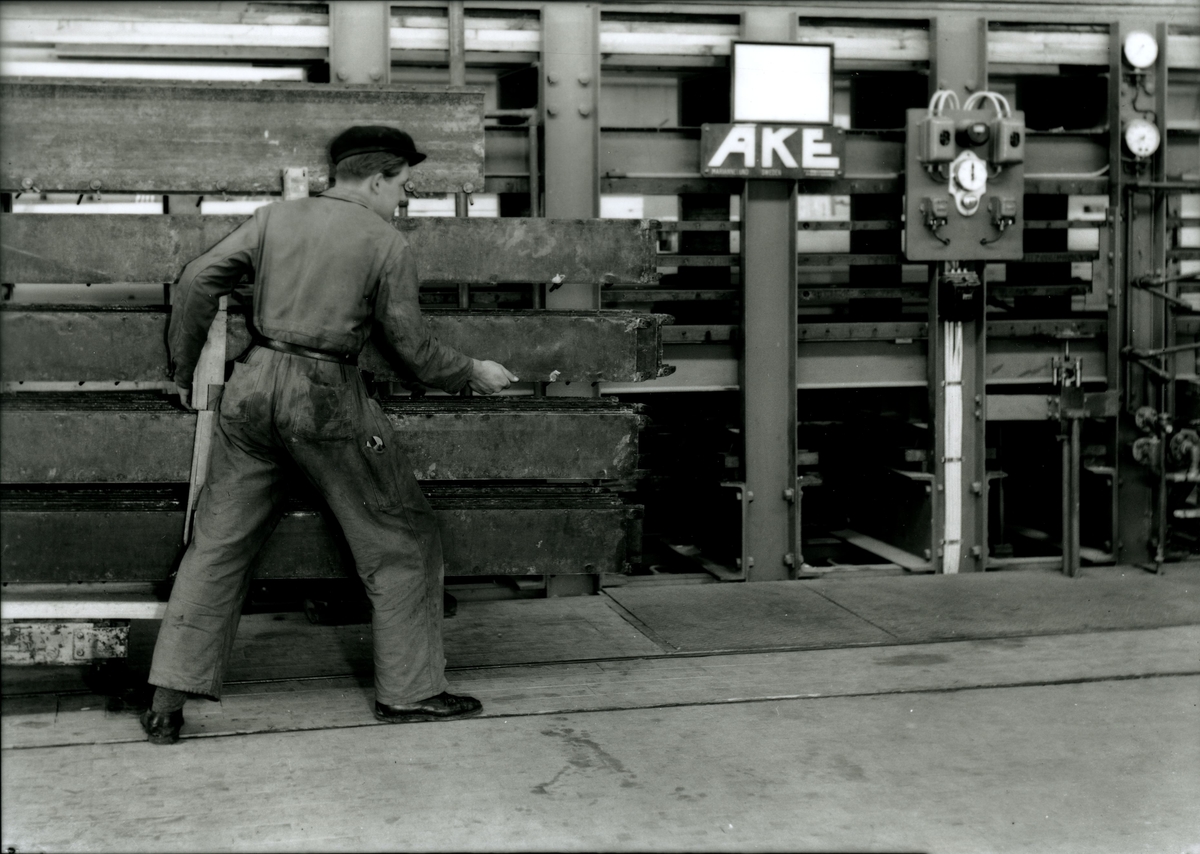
{"points": [[398, 310]]}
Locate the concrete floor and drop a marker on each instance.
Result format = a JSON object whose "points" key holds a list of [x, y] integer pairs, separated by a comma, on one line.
{"points": [[1086, 766], [1072, 742]]}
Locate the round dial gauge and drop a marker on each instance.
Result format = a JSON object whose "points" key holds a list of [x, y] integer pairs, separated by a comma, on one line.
{"points": [[1142, 138], [971, 174], [1140, 49]]}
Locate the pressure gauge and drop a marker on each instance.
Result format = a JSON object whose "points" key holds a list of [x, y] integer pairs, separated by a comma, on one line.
{"points": [[1142, 137], [971, 174], [1140, 49]]}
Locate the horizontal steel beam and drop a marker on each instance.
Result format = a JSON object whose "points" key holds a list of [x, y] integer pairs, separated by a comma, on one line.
{"points": [[868, 362], [142, 438], [870, 37], [72, 537], [96, 248], [189, 137], [874, 159], [664, 184], [102, 344]]}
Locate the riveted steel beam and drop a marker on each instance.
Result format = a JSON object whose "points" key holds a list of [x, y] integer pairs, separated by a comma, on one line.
{"points": [[142, 438], [771, 539], [958, 369], [359, 42], [196, 138], [118, 345], [570, 103], [69, 536], [83, 248]]}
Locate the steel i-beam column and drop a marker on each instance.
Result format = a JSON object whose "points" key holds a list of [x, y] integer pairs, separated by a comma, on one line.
{"points": [[570, 102], [957, 348], [360, 41], [570, 82], [768, 379], [768, 366], [569, 97]]}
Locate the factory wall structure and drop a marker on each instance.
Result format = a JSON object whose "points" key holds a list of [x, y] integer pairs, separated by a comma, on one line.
{"points": [[1053, 426]]}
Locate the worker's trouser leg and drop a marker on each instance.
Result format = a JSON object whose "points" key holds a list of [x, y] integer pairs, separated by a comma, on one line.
{"points": [[281, 408], [369, 485], [235, 513]]}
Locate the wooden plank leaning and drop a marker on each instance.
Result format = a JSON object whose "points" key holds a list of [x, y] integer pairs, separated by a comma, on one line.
{"points": [[207, 385]]}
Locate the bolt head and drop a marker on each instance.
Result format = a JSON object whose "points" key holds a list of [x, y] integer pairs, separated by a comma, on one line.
{"points": [[585, 110], [551, 78], [551, 112], [585, 79], [468, 187], [26, 183], [376, 74], [342, 74], [409, 186]]}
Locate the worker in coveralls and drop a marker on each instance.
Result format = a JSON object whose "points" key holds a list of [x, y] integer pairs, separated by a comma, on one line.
{"points": [[328, 271]]}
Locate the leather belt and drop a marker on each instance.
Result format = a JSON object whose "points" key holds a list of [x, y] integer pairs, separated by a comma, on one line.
{"points": [[307, 352]]}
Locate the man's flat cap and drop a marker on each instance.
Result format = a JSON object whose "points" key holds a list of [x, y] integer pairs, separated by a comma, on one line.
{"points": [[368, 139]]}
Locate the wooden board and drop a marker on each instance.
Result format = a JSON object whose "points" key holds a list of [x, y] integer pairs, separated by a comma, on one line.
{"points": [[71, 537], [40, 344], [884, 550], [143, 438], [197, 138], [97, 248]]}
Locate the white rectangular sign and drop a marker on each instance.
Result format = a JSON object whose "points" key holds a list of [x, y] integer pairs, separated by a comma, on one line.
{"points": [[782, 83]]}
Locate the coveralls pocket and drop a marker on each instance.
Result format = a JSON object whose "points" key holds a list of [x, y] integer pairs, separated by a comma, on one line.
{"points": [[241, 399], [388, 469]]}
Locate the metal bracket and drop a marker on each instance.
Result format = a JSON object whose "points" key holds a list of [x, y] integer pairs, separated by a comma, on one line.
{"points": [[1073, 403], [744, 497], [295, 183]]}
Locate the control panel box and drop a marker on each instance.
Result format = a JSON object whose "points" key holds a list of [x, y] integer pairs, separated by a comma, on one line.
{"points": [[964, 185]]}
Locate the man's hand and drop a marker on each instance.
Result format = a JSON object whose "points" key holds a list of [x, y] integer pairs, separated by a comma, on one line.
{"points": [[489, 377], [185, 395]]}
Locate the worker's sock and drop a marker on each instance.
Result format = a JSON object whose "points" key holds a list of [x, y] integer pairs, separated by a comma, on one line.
{"points": [[167, 700]]}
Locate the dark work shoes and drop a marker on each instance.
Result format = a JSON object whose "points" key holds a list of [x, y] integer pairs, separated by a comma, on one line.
{"points": [[444, 707], [162, 729]]}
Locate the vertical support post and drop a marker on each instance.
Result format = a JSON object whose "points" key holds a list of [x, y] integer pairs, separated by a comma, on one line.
{"points": [[360, 41], [535, 189], [958, 54], [768, 366], [1166, 330], [1144, 318], [958, 348], [1071, 452], [570, 86], [456, 31], [570, 81], [768, 380], [1114, 260], [957, 377]]}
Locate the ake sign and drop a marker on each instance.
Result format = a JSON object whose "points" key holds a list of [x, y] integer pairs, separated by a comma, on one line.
{"points": [[771, 151]]}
